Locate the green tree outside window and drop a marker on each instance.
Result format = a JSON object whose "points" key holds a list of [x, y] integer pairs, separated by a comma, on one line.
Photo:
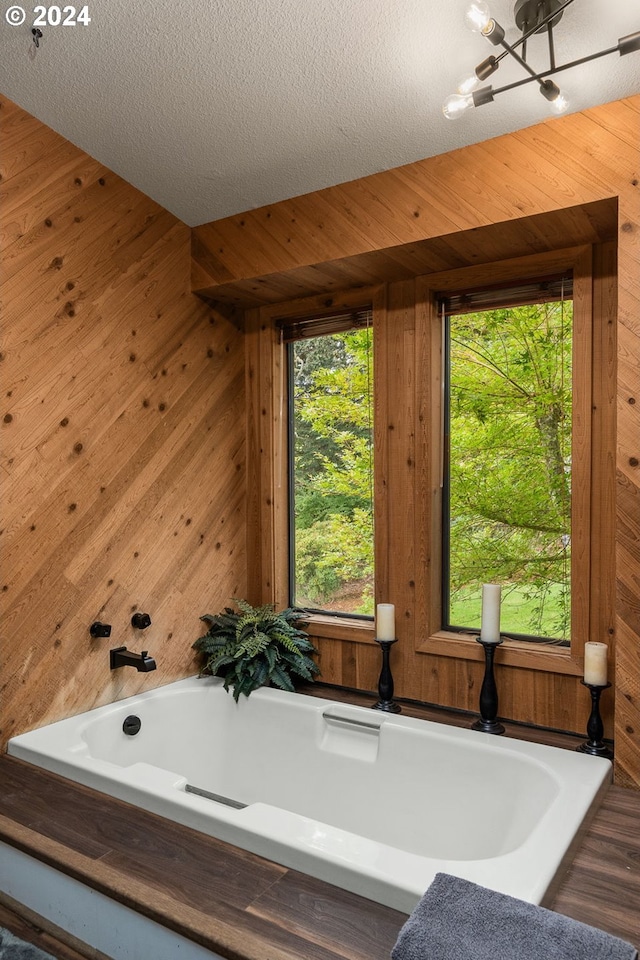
{"points": [[510, 466], [333, 471]]}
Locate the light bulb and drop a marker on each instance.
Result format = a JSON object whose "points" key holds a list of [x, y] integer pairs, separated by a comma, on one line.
{"points": [[551, 92], [477, 16], [455, 105], [467, 84], [560, 104]]}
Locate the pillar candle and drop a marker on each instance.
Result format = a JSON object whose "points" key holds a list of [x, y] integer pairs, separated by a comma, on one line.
{"points": [[490, 629], [595, 664], [385, 621]]}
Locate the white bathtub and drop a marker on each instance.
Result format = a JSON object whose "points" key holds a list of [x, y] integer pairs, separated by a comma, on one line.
{"points": [[375, 803]]}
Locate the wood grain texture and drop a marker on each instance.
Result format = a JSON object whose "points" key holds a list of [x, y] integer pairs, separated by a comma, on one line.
{"points": [[568, 181], [122, 447], [589, 223], [206, 890], [537, 684], [563, 168], [607, 861]]}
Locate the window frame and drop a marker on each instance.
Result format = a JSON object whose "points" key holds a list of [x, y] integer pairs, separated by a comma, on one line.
{"points": [[519, 653], [406, 323], [268, 453], [363, 321], [538, 290]]}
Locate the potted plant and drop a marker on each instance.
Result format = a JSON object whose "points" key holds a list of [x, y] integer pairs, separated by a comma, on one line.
{"points": [[255, 647]]}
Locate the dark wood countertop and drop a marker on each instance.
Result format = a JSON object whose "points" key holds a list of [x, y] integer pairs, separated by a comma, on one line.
{"points": [[247, 908]]}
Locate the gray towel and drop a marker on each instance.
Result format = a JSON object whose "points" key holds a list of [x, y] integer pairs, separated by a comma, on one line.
{"points": [[458, 920], [13, 948]]}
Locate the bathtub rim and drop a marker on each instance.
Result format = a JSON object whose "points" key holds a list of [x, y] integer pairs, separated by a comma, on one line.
{"points": [[276, 847]]}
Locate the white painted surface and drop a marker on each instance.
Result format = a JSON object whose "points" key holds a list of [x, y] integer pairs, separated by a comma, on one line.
{"points": [[372, 802], [214, 108], [102, 923]]}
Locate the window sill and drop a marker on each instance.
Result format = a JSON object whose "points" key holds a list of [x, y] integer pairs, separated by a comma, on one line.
{"points": [[459, 646], [340, 628], [513, 653]]}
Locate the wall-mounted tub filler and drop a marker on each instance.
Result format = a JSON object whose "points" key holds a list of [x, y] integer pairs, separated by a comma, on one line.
{"points": [[121, 657], [98, 629], [141, 621]]}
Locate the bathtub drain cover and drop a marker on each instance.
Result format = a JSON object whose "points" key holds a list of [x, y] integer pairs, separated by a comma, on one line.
{"points": [[132, 725]]}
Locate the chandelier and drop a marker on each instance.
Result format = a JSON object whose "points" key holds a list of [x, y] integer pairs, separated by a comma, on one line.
{"points": [[531, 17]]}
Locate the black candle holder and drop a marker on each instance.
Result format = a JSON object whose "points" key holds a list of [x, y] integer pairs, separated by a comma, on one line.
{"points": [[595, 745], [488, 693], [385, 683]]}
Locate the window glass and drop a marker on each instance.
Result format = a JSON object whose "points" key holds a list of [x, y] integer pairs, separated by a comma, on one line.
{"points": [[507, 490], [331, 472]]}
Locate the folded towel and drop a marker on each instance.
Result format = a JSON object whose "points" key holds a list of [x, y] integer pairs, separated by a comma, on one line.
{"points": [[13, 948], [459, 920]]}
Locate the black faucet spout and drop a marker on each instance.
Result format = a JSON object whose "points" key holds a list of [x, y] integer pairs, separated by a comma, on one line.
{"points": [[121, 657]]}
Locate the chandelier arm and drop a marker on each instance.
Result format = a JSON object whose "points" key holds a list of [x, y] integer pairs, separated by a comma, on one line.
{"points": [[516, 56], [501, 56], [548, 73], [552, 53]]}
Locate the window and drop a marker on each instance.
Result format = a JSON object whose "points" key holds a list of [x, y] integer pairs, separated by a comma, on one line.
{"points": [[330, 371], [507, 450], [408, 463]]}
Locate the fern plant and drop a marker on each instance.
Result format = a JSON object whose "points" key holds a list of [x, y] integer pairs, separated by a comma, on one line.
{"points": [[254, 647]]}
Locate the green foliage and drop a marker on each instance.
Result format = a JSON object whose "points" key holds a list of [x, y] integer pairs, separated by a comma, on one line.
{"points": [[333, 467], [312, 506], [334, 551], [254, 647], [510, 459], [510, 466]]}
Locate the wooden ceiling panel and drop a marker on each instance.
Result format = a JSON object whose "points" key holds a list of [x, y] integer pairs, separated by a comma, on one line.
{"points": [[585, 223]]}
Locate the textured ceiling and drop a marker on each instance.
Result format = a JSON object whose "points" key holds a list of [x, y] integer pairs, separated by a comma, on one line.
{"points": [[212, 107]]}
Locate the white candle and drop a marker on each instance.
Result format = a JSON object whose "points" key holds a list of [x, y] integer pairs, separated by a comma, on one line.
{"points": [[490, 629], [595, 664], [385, 621]]}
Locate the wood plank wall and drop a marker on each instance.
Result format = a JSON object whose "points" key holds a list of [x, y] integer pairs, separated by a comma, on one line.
{"points": [[122, 458], [122, 447], [540, 188]]}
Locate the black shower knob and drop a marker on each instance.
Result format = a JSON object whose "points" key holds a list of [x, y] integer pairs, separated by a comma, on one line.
{"points": [[141, 621]]}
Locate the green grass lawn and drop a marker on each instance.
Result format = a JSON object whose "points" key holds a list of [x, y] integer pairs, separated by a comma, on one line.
{"points": [[517, 612]]}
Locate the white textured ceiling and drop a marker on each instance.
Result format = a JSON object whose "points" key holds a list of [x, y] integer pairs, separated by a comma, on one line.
{"points": [[212, 107]]}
